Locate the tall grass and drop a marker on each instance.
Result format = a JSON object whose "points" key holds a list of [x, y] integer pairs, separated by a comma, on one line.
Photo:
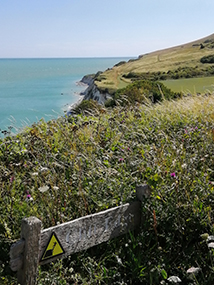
{"points": [[67, 168]]}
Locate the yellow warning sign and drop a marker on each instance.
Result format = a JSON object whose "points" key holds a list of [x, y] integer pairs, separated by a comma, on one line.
{"points": [[53, 248]]}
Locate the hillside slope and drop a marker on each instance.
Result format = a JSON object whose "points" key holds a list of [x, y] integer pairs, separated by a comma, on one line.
{"points": [[71, 167], [169, 59]]}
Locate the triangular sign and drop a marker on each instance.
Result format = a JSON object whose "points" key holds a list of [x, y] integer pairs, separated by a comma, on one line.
{"points": [[53, 248]]}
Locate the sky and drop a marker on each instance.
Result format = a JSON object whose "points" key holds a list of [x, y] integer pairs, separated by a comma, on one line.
{"points": [[100, 28]]}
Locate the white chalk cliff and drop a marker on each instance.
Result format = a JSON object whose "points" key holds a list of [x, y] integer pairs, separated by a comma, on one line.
{"points": [[92, 91]]}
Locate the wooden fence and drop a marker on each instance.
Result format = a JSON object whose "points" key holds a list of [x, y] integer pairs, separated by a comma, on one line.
{"points": [[38, 247]]}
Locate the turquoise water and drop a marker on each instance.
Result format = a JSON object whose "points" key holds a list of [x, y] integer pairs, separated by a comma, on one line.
{"points": [[31, 89]]}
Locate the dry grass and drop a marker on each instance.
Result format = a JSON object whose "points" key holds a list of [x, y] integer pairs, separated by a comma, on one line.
{"points": [[162, 60]]}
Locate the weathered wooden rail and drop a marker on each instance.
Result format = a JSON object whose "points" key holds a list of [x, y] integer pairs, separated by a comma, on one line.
{"points": [[38, 247]]}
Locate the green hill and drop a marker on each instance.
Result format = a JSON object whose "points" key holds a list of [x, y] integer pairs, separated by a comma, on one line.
{"points": [[186, 59]]}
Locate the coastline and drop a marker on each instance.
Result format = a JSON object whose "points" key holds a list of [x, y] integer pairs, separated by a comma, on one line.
{"points": [[81, 96], [74, 105], [35, 87]]}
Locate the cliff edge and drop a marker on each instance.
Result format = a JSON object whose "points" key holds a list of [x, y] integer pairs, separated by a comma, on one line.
{"points": [[92, 91]]}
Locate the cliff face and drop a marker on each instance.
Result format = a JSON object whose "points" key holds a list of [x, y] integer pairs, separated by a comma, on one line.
{"points": [[92, 91], [88, 79]]}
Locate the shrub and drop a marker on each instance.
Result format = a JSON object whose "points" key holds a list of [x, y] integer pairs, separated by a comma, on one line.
{"points": [[141, 91], [87, 106], [207, 59]]}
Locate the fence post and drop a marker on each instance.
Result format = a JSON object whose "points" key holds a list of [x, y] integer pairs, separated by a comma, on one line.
{"points": [[30, 232]]}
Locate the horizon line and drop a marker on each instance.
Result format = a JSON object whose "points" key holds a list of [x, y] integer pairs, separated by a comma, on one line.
{"points": [[79, 57]]}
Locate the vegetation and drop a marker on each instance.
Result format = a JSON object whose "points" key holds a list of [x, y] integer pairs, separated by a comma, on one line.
{"points": [[181, 72], [207, 59], [191, 85], [67, 168], [142, 91], [183, 61], [91, 161]]}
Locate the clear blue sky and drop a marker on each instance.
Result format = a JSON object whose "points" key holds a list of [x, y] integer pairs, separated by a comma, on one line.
{"points": [[98, 28]]}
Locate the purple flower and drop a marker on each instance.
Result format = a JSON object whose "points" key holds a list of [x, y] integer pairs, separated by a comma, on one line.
{"points": [[28, 198], [12, 178], [121, 159], [173, 174]]}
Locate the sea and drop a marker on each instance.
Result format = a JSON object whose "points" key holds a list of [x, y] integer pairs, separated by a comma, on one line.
{"points": [[32, 89]]}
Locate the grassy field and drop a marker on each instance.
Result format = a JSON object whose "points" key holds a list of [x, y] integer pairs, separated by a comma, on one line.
{"points": [[65, 169], [191, 85], [160, 61]]}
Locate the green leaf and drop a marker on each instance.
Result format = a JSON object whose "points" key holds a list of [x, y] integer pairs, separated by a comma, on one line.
{"points": [[164, 274]]}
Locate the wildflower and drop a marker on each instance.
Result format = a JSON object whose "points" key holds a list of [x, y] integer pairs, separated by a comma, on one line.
{"points": [[44, 169], [211, 245], [119, 260], [173, 174], [121, 159], [29, 198], [210, 239], [35, 174], [205, 236], [174, 279], [193, 270], [12, 178], [43, 189]]}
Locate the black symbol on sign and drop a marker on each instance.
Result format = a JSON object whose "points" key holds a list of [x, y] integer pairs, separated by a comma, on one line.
{"points": [[49, 252], [53, 248]]}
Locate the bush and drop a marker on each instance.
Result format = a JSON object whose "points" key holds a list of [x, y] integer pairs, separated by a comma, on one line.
{"points": [[207, 59], [87, 106], [141, 91]]}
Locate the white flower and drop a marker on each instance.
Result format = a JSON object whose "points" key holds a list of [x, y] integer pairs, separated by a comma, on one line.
{"points": [[43, 169], [119, 260], [174, 279], [211, 245], [193, 270], [43, 189], [55, 188], [210, 238]]}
